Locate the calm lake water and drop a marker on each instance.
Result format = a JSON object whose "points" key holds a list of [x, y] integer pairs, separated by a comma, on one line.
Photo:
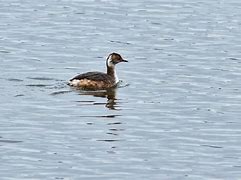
{"points": [[176, 114]]}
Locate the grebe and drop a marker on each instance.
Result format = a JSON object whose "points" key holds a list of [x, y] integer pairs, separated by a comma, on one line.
{"points": [[99, 80]]}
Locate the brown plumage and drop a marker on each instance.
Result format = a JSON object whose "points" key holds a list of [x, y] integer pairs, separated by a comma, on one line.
{"points": [[99, 80]]}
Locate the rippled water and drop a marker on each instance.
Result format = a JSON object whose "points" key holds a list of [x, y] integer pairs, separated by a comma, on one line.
{"points": [[176, 114]]}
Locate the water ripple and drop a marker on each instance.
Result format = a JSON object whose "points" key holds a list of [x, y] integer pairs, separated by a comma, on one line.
{"points": [[175, 114]]}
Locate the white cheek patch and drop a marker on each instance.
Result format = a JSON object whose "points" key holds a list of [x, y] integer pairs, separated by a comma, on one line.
{"points": [[109, 63], [112, 65]]}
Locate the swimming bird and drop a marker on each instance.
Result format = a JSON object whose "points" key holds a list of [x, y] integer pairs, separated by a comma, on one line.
{"points": [[99, 80]]}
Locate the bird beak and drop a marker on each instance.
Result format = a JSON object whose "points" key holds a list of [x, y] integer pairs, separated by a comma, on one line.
{"points": [[123, 60]]}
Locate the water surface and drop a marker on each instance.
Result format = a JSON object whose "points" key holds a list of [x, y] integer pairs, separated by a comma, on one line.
{"points": [[178, 118]]}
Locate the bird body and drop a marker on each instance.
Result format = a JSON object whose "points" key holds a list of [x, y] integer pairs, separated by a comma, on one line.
{"points": [[99, 80]]}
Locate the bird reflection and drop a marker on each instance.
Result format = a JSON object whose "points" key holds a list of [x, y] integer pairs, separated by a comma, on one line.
{"points": [[113, 122], [109, 94]]}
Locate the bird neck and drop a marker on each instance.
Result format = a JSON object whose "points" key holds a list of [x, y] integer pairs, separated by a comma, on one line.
{"points": [[111, 72]]}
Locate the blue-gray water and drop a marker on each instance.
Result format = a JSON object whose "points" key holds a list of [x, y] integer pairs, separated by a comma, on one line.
{"points": [[176, 115]]}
